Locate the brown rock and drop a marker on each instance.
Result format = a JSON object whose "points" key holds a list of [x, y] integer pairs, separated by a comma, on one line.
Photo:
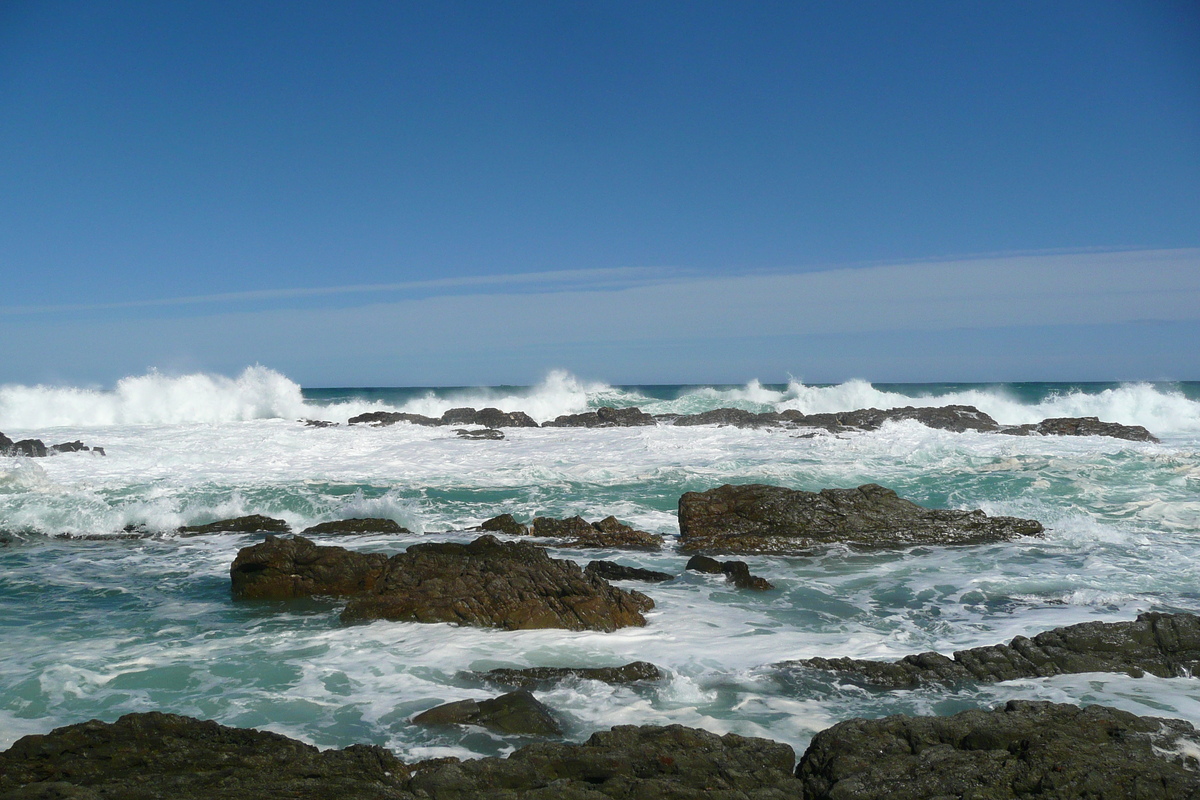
{"points": [[278, 569], [515, 712], [254, 523], [368, 525]]}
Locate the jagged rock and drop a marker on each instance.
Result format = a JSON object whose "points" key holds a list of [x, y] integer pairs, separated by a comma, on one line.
{"points": [[481, 433], [608, 532], [153, 755], [603, 417], [488, 418], [382, 419], [489, 583], [1082, 426], [736, 572], [69, 447], [759, 518], [1021, 750], [505, 523], [369, 525], [280, 569], [515, 712], [736, 417], [612, 571], [1166, 645], [535, 677], [31, 448], [318, 423], [254, 523]]}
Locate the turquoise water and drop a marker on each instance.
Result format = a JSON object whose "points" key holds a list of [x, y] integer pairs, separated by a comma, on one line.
{"points": [[96, 626]]}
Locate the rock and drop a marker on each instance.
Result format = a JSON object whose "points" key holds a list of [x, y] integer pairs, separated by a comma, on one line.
{"points": [[515, 712], [1021, 750], [612, 571], [1082, 426], [153, 755], [603, 417], [254, 523], [735, 417], [369, 525], [280, 569], [757, 518], [1165, 645], [31, 448], [489, 583], [482, 433], [318, 423], [608, 532], [98, 451], [505, 523], [736, 572], [488, 418], [69, 447], [382, 419], [535, 677]]}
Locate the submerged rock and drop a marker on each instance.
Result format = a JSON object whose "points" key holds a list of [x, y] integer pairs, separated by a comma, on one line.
{"points": [[603, 417], [1165, 645], [36, 448], [368, 525], [535, 677], [608, 532], [487, 418], [282, 569], [254, 523], [489, 583], [515, 712], [612, 571], [481, 433], [1021, 750], [759, 518], [736, 572]]}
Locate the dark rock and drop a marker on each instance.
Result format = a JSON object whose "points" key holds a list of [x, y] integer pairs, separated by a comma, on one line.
{"points": [[318, 423], [759, 518], [254, 523], [98, 451], [612, 571], [1082, 426], [481, 433], [515, 712], [280, 569], [5, 443], [511, 585], [535, 677], [32, 448], [604, 417], [569, 528], [382, 419], [69, 447], [736, 572], [488, 418], [152, 755], [1166, 645], [369, 525], [608, 532], [505, 523], [735, 417], [1021, 750]]}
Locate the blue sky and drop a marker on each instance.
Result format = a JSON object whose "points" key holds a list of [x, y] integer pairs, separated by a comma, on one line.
{"points": [[465, 193]]}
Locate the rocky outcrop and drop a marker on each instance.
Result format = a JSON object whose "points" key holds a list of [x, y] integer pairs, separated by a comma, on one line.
{"points": [[1166, 645], [736, 572], [36, 448], [282, 569], [382, 419], [757, 518], [489, 583], [319, 423], [612, 571], [357, 525], [735, 417], [1082, 426], [505, 523], [480, 434], [608, 532], [603, 417], [515, 712], [254, 523], [488, 418], [1021, 750], [539, 677]]}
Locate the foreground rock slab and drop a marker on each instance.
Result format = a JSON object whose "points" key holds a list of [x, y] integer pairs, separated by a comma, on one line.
{"points": [[757, 518], [1165, 645], [536, 677], [1021, 750], [515, 712]]}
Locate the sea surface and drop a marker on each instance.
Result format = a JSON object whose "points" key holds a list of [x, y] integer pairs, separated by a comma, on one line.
{"points": [[94, 625]]}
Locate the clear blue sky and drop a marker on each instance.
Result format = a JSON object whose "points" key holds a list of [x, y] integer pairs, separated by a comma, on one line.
{"points": [[373, 191]]}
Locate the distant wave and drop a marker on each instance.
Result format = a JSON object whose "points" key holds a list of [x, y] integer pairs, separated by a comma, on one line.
{"points": [[262, 393]]}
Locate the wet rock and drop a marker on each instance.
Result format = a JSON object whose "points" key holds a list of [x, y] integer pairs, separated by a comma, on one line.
{"points": [[505, 523], [488, 418], [31, 448], [612, 571], [368, 525], [69, 447], [481, 433], [735, 417], [1021, 750], [736, 572], [759, 518], [604, 417], [1165, 645], [536, 677], [608, 532], [515, 712], [489, 583], [318, 423], [153, 755], [281, 569], [254, 523], [1082, 426], [381, 419]]}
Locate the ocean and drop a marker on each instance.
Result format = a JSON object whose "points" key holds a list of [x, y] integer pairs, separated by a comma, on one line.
{"points": [[95, 624]]}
